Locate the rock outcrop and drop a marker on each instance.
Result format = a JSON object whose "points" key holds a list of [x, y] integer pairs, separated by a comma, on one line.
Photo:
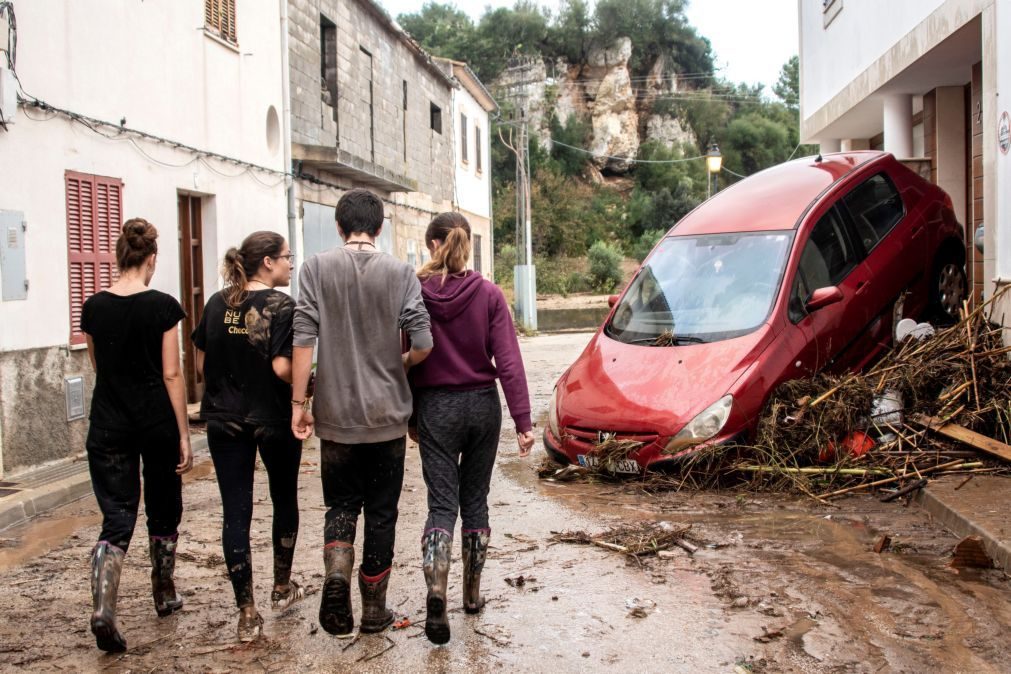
{"points": [[619, 111]]}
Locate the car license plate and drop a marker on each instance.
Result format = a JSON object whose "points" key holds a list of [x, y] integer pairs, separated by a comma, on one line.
{"points": [[620, 466]]}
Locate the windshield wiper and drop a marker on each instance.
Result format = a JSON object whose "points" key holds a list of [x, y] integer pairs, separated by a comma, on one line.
{"points": [[675, 339]]}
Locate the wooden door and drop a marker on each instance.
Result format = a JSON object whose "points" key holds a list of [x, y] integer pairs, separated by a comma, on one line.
{"points": [[191, 269]]}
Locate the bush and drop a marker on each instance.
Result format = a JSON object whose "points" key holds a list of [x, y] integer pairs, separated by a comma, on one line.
{"points": [[504, 263], [605, 266], [645, 243]]}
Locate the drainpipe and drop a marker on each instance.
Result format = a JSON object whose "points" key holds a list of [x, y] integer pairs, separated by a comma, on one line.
{"points": [[294, 240]]}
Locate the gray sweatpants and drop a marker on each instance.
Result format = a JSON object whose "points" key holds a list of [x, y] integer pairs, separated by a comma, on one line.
{"points": [[458, 432]]}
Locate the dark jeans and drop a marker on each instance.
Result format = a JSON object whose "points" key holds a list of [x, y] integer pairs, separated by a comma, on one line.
{"points": [[458, 432], [115, 458], [233, 448], [368, 476]]}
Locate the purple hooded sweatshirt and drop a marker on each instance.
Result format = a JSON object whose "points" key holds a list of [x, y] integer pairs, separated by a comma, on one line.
{"points": [[471, 325]]}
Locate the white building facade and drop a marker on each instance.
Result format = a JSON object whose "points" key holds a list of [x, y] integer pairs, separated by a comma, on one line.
{"points": [[202, 81], [922, 79]]}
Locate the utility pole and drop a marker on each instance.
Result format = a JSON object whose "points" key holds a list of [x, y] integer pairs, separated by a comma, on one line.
{"points": [[524, 273]]}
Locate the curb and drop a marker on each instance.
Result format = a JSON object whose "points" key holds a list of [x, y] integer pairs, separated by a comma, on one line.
{"points": [[963, 524], [23, 507]]}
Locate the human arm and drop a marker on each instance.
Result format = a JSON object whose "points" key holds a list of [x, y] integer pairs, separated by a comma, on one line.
{"points": [[199, 356], [173, 377], [415, 323], [305, 325], [91, 354], [282, 368], [505, 350], [302, 421]]}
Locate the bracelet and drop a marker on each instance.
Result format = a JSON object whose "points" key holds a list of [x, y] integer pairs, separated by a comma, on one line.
{"points": [[304, 404]]}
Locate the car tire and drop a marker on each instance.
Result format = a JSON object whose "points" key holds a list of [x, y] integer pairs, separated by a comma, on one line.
{"points": [[948, 287]]}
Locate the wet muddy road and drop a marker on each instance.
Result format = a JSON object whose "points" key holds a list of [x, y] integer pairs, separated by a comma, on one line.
{"points": [[779, 585]]}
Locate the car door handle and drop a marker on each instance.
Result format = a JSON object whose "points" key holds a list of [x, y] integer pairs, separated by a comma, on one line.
{"points": [[862, 287]]}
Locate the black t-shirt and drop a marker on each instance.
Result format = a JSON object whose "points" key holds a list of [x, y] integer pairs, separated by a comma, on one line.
{"points": [[126, 333], [240, 346]]}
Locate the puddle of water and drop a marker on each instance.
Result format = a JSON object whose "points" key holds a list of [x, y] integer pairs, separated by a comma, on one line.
{"points": [[40, 536]]}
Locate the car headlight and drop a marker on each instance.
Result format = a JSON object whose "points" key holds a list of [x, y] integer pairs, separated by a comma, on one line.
{"points": [[704, 426], [553, 415]]}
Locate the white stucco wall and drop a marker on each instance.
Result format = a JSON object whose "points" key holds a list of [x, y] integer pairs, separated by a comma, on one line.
{"points": [[1003, 161], [151, 63], [472, 188], [831, 56]]}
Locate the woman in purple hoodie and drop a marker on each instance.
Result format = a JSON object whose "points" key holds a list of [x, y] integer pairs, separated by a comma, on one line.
{"points": [[459, 415]]}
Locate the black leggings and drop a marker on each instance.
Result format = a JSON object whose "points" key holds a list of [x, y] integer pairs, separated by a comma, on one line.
{"points": [[114, 458], [233, 448], [366, 476]]}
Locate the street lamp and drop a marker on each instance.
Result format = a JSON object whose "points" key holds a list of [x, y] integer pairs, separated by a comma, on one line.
{"points": [[714, 162]]}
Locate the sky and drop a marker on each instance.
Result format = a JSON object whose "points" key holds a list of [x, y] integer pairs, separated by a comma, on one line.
{"points": [[751, 40]]}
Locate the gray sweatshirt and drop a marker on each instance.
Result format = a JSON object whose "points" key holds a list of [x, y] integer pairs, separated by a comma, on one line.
{"points": [[355, 303]]}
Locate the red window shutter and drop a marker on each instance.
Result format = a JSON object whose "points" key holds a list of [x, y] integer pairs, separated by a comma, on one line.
{"points": [[94, 221]]}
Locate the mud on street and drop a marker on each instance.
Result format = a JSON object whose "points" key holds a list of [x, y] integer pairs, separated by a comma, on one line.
{"points": [[779, 584]]}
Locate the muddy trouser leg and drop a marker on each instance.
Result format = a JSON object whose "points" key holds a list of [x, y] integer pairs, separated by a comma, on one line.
{"points": [[114, 462], [281, 453], [233, 450], [163, 488], [442, 432], [343, 494], [384, 480], [476, 465]]}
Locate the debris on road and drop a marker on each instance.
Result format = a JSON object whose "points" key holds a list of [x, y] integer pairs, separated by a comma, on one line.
{"points": [[635, 540], [884, 542], [639, 608], [970, 553]]}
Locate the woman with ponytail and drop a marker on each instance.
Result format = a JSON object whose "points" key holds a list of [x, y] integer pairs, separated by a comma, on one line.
{"points": [[138, 416], [458, 413], [244, 343]]}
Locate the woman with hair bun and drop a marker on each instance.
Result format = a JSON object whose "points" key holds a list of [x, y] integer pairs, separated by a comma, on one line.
{"points": [[459, 415], [138, 416], [244, 343]]}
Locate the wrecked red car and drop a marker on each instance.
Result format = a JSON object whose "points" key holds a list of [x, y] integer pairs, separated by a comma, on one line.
{"points": [[801, 268]]}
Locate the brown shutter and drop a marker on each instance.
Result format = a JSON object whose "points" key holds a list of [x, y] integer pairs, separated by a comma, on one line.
{"points": [[94, 220], [219, 16]]}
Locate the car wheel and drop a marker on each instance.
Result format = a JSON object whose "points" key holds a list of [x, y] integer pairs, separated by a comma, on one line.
{"points": [[948, 288]]}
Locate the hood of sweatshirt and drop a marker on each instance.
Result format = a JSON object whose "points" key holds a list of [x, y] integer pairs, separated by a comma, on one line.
{"points": [[446, 301]]}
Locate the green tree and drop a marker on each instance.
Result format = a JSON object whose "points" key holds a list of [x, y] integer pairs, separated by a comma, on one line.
{"points": [[787, 88], [754, 142], [442, 29], [503, 32], [572, 33], [657, 28]]}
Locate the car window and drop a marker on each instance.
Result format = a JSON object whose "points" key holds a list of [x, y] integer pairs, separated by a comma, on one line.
{"points": [[825, 261], [876, 207]]}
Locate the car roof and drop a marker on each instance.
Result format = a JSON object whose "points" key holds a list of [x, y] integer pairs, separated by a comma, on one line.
{"points": [[773, 199]]}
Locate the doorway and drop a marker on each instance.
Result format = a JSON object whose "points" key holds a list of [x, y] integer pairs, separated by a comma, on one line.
{"points": [[191, 285]]}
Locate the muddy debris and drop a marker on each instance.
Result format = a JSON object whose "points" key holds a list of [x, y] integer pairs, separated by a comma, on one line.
{"points": [[636, 540], [970, 553]]}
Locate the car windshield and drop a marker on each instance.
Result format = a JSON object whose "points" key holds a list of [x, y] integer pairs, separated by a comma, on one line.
{"points": [[702, 289]]}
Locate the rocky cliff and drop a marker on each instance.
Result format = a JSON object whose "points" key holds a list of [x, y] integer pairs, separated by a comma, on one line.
{"points": [[620, 110]]}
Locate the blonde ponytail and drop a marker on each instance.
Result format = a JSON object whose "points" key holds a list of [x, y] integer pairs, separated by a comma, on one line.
{"points": [[453, 231]]}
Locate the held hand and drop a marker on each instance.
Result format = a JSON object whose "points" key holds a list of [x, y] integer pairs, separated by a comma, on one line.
{"points": [[301, 423], [412, 433], [525, 441], [185, 456], [406, 358]]}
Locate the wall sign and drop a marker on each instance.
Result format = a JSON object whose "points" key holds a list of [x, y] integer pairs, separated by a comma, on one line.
{"points": [[1004, 133]]}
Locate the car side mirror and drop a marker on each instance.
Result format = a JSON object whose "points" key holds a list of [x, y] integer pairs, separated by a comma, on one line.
{"points": [[823, 297], [612, 300]]}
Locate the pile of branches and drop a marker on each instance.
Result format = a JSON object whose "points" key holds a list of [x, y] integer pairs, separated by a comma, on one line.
{"points": [[636, 540]]}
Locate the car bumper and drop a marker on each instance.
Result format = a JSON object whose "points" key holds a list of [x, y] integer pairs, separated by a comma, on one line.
{"points": [[651, 456]]}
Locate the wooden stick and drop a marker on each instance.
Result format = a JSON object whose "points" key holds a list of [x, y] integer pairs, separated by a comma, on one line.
{"points": [[981, 442], [919, 484], [877, 483], [811, 470], [686, 546]]}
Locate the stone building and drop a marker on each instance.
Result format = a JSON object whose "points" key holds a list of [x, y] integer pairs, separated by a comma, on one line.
{"points": [[369, 109]]}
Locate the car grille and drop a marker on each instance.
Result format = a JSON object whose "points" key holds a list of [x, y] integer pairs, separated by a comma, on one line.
{"points": [[591, 437]]}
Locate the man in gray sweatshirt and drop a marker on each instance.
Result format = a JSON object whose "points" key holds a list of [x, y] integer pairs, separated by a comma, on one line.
{"points": [[354, 301]]}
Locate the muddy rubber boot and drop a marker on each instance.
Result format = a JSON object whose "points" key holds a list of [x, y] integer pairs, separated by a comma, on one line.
{"points": [[375, 616], [474, 545], [335, 607], [435, 551], [163, 566], [106, 567]]}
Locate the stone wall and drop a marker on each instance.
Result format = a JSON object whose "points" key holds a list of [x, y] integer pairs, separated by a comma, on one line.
{"points": [[373, 66], [33, 409]]}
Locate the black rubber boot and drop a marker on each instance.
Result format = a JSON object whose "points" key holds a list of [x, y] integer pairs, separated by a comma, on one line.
{"points": [[375, 616], [106, 567], [435, 551], [474, 546], [335, 614], [163, 566]]}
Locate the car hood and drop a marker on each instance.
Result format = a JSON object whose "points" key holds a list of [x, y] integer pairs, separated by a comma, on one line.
{"points": [[615, 386]]}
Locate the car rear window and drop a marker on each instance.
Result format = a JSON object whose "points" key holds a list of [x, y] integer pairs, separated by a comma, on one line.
{"points": [[876, 207]]}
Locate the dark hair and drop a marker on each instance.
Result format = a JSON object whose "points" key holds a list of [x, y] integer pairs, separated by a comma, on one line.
{"points": [[138, 241], [244, 262], [359, 211], [453, 230]]}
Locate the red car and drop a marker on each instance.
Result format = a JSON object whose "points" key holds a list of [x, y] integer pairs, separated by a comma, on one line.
{"points": [[801, 268]]}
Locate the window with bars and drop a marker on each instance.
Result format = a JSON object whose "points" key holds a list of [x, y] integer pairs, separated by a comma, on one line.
{"points": [[94, 220], [219, 19]]}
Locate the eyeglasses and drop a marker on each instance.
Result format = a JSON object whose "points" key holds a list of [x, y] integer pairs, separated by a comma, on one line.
{"points": [[290, 257]]}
